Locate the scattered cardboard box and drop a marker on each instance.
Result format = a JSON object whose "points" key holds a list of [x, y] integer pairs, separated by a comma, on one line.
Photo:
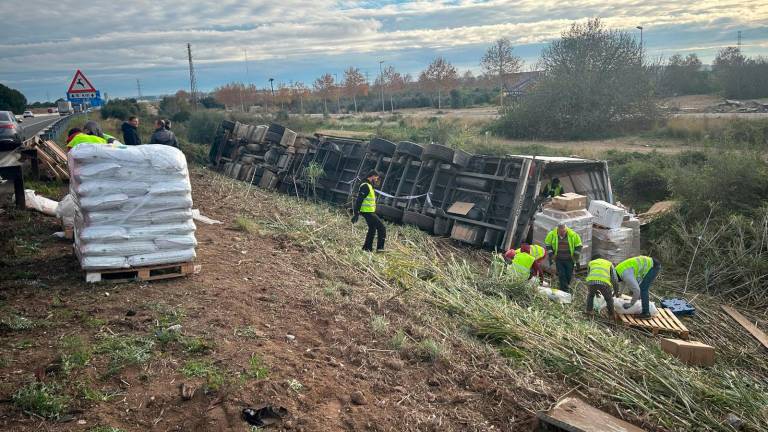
{"points": [[460, 208], [569, 201], [606, 214], [691, 353]]}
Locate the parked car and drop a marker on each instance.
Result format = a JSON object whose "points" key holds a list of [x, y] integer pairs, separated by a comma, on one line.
{"points": [[28, 114], [11, 134]]}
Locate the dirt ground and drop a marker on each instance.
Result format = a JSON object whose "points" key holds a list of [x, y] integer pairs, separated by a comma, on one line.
{"points": [[255, 294]]}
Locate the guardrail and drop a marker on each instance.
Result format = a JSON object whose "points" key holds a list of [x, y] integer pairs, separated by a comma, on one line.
{"points": [[52, 131]]}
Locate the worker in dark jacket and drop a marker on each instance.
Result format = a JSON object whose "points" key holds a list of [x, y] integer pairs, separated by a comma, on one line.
{"points": [[366, 205], [163, 135], [131, 131]]}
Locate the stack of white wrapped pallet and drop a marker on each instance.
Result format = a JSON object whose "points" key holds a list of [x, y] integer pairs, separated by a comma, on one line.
{"points": [[133, 206], [613, 238], [579, 220]]}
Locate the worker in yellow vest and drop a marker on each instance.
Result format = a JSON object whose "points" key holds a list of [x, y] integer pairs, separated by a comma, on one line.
{"points": [[365, 205], [520, 261], [637, 274], [602, 278], [564, 247], [537, 252], [90, 134]]}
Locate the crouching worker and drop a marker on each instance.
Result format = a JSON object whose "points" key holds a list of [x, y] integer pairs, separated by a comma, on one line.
{"points": [[537, 252], [520, 262], [366, 205], [602, 278], [637, 274]]}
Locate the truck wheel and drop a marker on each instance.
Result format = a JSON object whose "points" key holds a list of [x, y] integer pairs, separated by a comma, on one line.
{"points": [[276, 128], [382, 146], [438, 152], [443, 226], [461, 158], [409, 148]]}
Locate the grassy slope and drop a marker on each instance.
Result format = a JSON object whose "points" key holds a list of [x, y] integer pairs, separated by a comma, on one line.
{"points": [[610, 364]]}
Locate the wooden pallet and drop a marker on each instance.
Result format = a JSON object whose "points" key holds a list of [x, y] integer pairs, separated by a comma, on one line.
{"points": [[665, 321], [146, 273]]}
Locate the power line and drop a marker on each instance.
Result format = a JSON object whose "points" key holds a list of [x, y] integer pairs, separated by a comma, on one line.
{"points": [[192, 79]]}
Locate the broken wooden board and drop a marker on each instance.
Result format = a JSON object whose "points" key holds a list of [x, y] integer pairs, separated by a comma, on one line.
{"points": [[460, 208], [748, 326], [53, 157], [574, 415], [664, 321]]}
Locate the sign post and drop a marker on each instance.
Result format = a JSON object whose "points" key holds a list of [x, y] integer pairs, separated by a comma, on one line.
{"points": [[82, 92]]}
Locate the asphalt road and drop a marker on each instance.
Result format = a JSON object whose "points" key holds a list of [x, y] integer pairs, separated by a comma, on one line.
{"points": [[33, 126]]}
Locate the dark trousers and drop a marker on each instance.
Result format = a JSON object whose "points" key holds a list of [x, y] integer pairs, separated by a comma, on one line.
{"points": [[564, 273], [645, 286], [375, 226], [607, 293]]}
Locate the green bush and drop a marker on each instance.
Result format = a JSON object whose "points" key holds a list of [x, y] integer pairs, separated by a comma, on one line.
{"points": [[640, 182], [202, 126], [120, 109]]}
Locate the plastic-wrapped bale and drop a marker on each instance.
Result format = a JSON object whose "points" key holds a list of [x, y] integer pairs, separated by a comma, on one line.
{"points": [[615, 245], [578, 220], [634, 224], [133, 206]]}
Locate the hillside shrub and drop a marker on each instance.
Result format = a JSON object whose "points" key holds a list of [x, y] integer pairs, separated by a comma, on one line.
{"points": [[202, 126]]}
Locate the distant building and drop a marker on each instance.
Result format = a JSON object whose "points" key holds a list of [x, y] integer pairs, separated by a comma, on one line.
{"points": [[521, 83]]}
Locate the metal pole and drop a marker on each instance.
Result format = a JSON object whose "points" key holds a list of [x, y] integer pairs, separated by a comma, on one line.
{"points": [[381, 83], [641, 38], [272, 86]]}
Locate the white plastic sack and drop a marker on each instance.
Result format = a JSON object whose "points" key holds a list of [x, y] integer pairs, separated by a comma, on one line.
{"points": [[66, 211], [103, 262], [556, 295], [123, 248], [165, 257], [40, 203], [618, 306]]}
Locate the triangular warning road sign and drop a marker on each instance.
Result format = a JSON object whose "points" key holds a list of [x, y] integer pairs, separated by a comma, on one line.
{"points": [[80, 84]]}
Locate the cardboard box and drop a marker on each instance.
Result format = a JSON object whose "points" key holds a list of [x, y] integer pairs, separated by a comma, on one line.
{"points": [[569, 201], [691, 353], [467, 233], [606, 214]]}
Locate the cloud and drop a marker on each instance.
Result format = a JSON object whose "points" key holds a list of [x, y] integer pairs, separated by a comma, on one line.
{"points": [[47, 38]]}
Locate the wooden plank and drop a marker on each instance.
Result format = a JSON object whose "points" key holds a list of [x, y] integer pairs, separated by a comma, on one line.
{"points": [[748, 326], [574, 415], [56, 149]]}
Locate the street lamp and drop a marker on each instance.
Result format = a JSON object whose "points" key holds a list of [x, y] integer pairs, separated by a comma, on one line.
{"points": [[271, 80], [641, 37], [381, 83]]}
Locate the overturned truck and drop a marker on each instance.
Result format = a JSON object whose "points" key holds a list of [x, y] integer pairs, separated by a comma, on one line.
{"points": [[485, 201]]}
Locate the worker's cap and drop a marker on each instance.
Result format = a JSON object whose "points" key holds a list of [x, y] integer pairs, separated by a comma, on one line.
{"points": [[509, 255], [561, 225], [372, 173], [555, 180]]}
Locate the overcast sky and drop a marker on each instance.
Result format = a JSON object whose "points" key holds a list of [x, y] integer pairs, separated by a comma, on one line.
{"points": [[114, 43]]}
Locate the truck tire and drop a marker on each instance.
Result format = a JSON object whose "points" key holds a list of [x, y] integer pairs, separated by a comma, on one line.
{"points": [[382, 146], [276, 128], [424, 222], [389, 213], [246, 159], [409, 148], [461, 158], [253, 148], [273, 137], [437, 152], [227, 125]]}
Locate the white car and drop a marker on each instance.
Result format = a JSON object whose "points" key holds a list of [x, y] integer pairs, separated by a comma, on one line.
{"points": [[28, 114]]}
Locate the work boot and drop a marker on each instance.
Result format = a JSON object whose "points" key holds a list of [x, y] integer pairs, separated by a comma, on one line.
{"points": [[644, 315]]}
